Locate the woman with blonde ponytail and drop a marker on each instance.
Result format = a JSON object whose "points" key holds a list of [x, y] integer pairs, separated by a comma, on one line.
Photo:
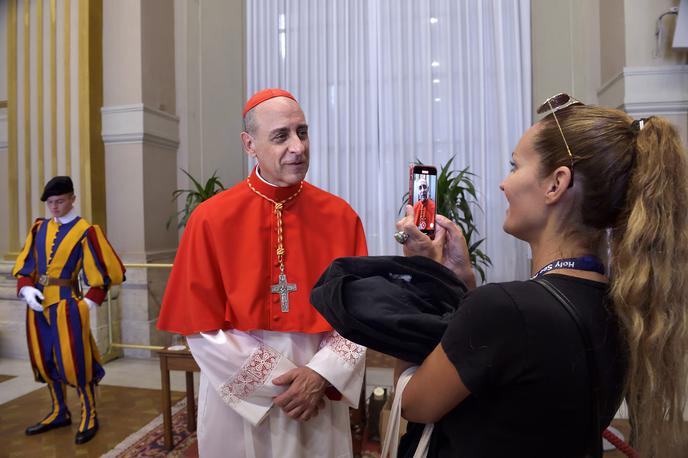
{"points": [[649, 289], [540, 367]]}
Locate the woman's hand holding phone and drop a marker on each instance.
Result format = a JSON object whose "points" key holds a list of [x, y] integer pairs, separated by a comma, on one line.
{"points": [[455, 255], [448, 247], [418, 243]]}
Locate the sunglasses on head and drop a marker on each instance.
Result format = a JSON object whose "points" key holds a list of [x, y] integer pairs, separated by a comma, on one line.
{"points": [[552, 105]]}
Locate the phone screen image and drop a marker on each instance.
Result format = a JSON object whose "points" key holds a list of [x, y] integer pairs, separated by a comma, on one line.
{"points": [[422, 193]]}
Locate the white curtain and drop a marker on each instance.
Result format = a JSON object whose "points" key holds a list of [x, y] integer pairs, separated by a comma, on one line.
{"points": [[386, 82]]}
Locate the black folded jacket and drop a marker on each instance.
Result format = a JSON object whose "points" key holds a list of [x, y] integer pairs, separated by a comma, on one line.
{"points": [[395, 305]]}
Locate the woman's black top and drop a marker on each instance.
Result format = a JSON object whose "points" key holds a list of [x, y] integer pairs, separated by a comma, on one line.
{"points": [[514, 346], [521, 356]]}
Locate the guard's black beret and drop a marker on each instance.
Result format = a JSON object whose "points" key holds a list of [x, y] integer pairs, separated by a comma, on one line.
{"points": [[56, 187]]}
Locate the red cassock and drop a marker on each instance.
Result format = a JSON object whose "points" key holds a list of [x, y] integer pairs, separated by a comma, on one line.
{"points": [[226, 262], [424, 214]]}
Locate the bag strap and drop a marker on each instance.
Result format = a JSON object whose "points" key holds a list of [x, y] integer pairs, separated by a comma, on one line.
{"points": [[593, 376], [391, 444], [424, 442]]}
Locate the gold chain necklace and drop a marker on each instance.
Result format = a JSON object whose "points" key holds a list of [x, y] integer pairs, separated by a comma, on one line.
{"points": [[422, 221], [283, 288]]}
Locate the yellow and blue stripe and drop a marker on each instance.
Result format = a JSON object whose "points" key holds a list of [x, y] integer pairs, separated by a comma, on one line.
{"points": [[58, 396], [61, 346], [88, 407], [62, 250], [25, 265]]}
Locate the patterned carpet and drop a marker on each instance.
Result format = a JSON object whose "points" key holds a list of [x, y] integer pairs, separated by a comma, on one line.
{"points": [[121, 412], [149, 440]]}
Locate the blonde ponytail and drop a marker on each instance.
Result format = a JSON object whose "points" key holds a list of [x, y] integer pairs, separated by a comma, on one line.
{"points": [[649, 289]]}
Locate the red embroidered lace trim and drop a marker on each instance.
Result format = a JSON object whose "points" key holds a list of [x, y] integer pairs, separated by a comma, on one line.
{"points": [[345, 349], [251, 375]]}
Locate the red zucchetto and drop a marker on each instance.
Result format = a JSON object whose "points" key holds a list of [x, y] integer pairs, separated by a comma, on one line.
{"points": [[266, 94]]}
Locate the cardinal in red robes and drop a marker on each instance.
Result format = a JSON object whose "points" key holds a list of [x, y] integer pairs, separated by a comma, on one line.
{"points": [[424, 208], [239, 290]]}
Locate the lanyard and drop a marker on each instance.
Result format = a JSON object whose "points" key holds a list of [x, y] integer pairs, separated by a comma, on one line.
{"points": [[589, 263]]}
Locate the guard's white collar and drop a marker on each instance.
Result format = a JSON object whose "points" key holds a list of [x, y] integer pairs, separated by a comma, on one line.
{"points": [[69, 217]]}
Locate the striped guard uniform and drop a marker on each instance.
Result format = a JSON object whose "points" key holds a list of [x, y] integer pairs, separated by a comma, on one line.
{"points": [[61, 347]]}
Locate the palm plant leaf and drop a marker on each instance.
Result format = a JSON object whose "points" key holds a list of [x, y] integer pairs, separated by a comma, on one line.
{"points": [[194, 181], [193, 197]]}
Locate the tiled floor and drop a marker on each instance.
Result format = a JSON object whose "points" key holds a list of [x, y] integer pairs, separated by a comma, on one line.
{"points": [[122, 411], [128, 398], [124, 372]]}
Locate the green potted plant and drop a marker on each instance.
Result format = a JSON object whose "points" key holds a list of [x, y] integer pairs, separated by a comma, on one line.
{"points": [[194, 196], [455, 194]]}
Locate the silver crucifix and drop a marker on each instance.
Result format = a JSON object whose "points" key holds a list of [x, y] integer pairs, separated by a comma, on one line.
{"points": [[283, 289]]}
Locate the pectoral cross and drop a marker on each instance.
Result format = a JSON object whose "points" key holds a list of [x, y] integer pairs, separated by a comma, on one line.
{"points": [[283, 289]]}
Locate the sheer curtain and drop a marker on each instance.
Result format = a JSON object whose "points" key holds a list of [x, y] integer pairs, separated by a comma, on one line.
{"points": [[386, 82]]}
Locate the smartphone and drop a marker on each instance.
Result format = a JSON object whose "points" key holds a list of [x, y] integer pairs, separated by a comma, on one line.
{"points": [[422, 195]]}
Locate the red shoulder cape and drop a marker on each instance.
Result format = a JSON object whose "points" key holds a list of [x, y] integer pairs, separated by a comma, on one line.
{"points": [[226, 260]]}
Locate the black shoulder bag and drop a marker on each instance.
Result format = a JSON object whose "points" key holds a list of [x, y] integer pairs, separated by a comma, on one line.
{"points": [[595, 442]]}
